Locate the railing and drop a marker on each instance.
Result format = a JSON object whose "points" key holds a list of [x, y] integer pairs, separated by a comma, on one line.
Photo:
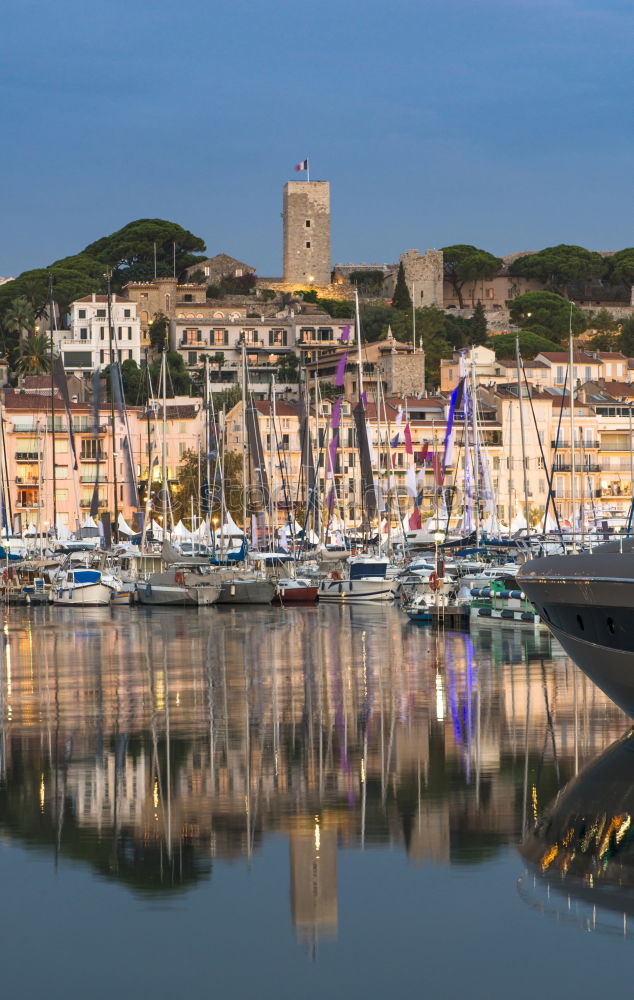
{"points": [[567, 467], [21, 481], [93, 458], [28, 456], [579, 445], [87, 502]]}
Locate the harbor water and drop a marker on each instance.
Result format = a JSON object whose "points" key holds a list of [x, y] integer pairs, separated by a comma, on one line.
{"points": [[285, 803]]}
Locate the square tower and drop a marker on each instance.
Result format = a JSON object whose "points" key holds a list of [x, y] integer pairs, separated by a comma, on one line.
{"points": [[307, 233]]}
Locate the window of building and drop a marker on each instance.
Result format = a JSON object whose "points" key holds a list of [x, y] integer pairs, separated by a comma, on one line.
{"points": [[250, 336], [608, 369], [324, 333], [101, 313], [188, 298], [182, 448], [83, 333], [101, 357], [119, 332], [102, 333], [278, 337], [307, 223], [191, 357], [559, 376], [490, 293], [206, 271], [144, 295], [61, 495], [129, 355], [220, 338], [91, 449], [129, 333], [126, 314], [81, 314], [308, 244], [144, 317]]}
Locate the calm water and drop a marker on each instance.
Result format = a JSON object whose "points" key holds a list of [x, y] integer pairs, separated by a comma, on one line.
{"points": [[290, 803]]}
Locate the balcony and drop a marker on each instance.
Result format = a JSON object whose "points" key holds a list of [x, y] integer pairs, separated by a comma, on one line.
{"points": [[567, 467], [87, 501], [579, 445], [30, 481], [28, 456]]}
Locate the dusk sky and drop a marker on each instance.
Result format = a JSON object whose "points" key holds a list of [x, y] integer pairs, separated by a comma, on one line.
{"points": [[504, 123]]}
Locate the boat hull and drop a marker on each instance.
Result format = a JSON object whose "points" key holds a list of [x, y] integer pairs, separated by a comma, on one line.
{"points": [[358, 591], [587, 602], [295, 595], [163, 594], [246, 592], [89, 595]]}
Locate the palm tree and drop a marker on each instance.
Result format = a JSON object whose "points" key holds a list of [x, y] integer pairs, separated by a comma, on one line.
{"points": [[34, 355], [20, 317]]}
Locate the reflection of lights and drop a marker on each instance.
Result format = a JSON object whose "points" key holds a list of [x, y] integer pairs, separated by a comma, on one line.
{"points": [[178, 698], [534, 801], [317, 835], [362, 771], [42, 794], [160, 693], [440, 699], [155, 793], [8, 659], [549, 857]]}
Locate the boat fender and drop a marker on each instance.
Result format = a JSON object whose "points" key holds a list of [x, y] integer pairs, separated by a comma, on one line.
{"points": [[335, 575], [528, 617], [434, 582], [179, 578], [484, 612]]}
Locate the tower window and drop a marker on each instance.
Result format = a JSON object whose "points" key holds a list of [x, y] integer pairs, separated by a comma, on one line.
{"points": [[307, 223], [308, 244]]}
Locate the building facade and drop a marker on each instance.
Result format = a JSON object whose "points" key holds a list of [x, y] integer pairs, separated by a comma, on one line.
{"points": [[306, 224], [86, 347]]}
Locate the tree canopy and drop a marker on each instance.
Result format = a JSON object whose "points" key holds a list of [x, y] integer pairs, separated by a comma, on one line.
{"points": [[621, 266], [401, 299], [559, 265], [464, 262], [530, 344], [127, 253], [549, 312], [368, 281]]}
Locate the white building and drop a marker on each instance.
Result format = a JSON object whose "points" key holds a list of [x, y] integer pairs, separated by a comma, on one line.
{"points": [[86, 346]]}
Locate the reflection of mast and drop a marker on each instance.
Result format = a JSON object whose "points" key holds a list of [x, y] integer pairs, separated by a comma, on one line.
{"points": [[313, 860]]}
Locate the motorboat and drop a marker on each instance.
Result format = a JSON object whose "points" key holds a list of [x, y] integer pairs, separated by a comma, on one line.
{"points": [[185, 586], [84, 587], [587, 601], [366, 581], [295, 590]]}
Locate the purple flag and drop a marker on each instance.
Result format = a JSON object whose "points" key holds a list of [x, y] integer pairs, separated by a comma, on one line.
{"points": [[394, 441], [332, 451], [336, 414], [345, 334], [330, 500], [341, 368], [364, 399]]}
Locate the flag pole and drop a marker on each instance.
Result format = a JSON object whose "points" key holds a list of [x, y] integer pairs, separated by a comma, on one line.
{"points": [[307, 169]]}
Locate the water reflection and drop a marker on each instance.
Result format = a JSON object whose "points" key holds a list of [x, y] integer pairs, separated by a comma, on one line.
{"points": [[153, 744], [581, 849]]}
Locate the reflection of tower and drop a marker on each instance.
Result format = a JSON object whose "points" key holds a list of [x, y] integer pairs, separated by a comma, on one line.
{"points": [[307, 232], [314, 882]]}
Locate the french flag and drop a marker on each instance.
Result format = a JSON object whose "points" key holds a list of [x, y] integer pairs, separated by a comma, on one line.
{"points": [[302, 166]]}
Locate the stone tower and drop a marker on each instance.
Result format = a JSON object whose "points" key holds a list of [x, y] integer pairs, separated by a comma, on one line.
{"points": [[424, 275], [307, 233]]}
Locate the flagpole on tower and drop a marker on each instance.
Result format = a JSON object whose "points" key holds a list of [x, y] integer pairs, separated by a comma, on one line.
{"points": [[307, 169]]}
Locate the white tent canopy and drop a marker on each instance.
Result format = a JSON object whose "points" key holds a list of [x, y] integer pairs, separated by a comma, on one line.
{"points": [[124, 527], [230, 529], [180, 531]]}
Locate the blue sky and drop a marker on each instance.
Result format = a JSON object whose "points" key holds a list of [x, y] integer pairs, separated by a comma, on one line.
{"points": [[504, 123]]}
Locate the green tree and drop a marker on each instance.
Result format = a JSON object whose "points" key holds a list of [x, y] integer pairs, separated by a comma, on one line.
{"points": [[374, 321], [369, 282], [479, 329], [177, 378], [130, 250], [548, 311], [34, 355], [243, 284], [188, 487], [214, 292], [530, 344], [158, 332], [464, 262], [19, 318], [227, 398], [626, 337], [287, 368], [337, 308], [620, 266], [401, 298], [559, 265], [217, 359]]}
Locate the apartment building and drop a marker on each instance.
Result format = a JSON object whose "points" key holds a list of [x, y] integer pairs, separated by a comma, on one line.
{"points": [[87, 346]]}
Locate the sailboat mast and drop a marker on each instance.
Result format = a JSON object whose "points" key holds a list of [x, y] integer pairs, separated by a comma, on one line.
{"points": [[519, 389], [164, 441], [358, 326], [244, 438], [476, 464], [50, 325], [573, 498], [510, 419], [112, 418]]}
